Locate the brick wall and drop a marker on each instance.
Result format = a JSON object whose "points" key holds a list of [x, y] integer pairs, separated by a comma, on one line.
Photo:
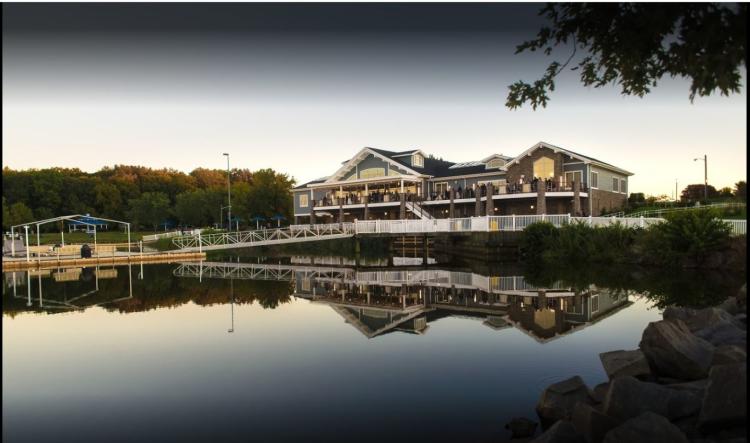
{"points": [[526, 165], [606, 200]]}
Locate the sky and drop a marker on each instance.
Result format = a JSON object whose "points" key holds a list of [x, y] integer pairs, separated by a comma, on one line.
{"points": [[301, 88]]}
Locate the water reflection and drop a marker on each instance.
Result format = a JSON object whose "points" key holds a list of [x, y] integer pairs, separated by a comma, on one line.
{"points": [[378, 302]]}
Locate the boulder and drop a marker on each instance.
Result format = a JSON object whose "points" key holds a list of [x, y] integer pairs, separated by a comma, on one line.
{"points": [[730, 305], [558, 400], [678, 313], [591, 423], [741, 320], [646, 428], [673, 351], [521, 427], [621, 363], [561, 432], [629, 397], [728, 354], [697, 387], [725, 402], [723, 333], [599, 392]]}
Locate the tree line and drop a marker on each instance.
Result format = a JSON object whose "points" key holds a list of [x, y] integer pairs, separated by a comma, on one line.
{"points": [[147, 198]]}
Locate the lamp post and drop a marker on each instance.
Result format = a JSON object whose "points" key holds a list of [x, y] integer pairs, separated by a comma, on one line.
{"points": [[229, 195], [705, 175]]}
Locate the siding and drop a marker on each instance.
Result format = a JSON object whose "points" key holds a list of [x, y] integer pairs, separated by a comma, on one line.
{"points": [[605, 178]]}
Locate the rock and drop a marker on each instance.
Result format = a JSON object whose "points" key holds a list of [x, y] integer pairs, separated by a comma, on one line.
{"points": [[599, 392], [725, 402], [741, 319], [742, 297], [561, 432], [621, 363], [728, 354], [678, 313], [521, 427], [646, 428], [558, 400], [697, 387], [591, 423], [629, 397], [723, 333], [730, 305], [673, 351], [688, 426]]}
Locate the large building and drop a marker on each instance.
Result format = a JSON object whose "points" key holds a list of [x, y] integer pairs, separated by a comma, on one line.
{"points": [[380, 184]]}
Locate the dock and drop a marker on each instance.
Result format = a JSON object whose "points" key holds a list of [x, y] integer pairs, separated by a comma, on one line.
{"points": [[17, 264]]}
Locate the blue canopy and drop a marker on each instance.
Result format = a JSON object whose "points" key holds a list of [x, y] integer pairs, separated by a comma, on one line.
{"points": [[278, 217], [88, 221], [257, 218]]}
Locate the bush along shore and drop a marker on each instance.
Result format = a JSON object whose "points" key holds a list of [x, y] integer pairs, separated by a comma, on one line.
{"points": [[685, 383], [689, 239]]}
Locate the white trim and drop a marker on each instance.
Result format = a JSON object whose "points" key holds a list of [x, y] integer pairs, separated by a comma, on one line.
{"points": [[411, 153], [306, 201], [557, 149], [591, 179], [383, 179], [458, 177], [356, 159]]}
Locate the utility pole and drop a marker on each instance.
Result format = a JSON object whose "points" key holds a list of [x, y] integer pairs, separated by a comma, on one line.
{"points": [[705, 175], [675, 190], [229, 195]]}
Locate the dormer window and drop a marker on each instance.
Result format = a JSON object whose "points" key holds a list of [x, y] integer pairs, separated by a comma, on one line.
{"points": [[495, 163], [417, 160]]}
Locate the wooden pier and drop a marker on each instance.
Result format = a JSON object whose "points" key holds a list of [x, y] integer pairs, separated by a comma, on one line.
{"points": [[55, 262]]}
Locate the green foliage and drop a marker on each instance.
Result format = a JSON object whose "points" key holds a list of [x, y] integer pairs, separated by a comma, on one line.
{"points": [[537, 238], [193, 199], [634, 45], [151, 209], [740, 190], [17, 213], [685, 237]]}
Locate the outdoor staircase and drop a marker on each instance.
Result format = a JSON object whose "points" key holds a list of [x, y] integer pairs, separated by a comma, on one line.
{"points": [[419, 211]]}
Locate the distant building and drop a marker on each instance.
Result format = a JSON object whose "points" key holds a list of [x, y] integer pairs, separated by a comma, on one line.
{"points": [[380, 184]]}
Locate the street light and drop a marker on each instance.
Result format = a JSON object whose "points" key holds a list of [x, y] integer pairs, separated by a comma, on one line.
{"points": [[229, 194], [705, 174], [221, 214]]}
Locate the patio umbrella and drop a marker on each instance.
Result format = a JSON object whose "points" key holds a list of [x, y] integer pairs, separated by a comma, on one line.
{"points": [[278, 218], [257, 219]]}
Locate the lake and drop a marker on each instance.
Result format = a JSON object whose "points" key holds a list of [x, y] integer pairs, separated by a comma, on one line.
{"points": [[309, 349]]}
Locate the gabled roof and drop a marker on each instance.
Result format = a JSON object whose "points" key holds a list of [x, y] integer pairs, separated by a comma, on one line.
{"points": [[583, 158], [317, 180], [388, 156]]}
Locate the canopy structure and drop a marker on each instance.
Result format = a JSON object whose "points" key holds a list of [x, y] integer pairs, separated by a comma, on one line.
{"points": [[257, 219], [75, 219], [278, 218], [87, 222]]}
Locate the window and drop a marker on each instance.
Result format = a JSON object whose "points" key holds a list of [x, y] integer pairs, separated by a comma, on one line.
{"points": [[615, 184], [417, 160], [594, 179], [441, 188], [495, 163], [372, 172], [624, 186], [303, 201], [544, 168], [594, 303], [573, 176]]}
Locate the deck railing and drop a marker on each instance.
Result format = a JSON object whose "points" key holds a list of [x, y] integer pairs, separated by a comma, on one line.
{"points": [[506, 223]]}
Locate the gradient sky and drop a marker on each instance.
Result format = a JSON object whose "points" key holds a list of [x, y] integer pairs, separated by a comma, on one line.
{"points": [[302, 87]]}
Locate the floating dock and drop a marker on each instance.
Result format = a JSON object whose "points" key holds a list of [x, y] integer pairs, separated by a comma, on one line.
{"points": [[55, 262]]}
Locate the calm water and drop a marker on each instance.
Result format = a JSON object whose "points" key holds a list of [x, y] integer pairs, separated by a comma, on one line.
{"points": [[303, 349]]}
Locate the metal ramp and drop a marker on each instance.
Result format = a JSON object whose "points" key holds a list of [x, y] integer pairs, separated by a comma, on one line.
{"points": [[248, 239]]}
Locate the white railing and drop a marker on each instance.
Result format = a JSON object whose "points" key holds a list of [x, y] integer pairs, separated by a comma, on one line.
{"points": [[240, 239], [661, 211], [154, 237], [507, 223]]}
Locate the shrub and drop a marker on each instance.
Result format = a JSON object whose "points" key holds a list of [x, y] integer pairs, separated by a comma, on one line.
{"points": [[536, 239], [685, 237]]}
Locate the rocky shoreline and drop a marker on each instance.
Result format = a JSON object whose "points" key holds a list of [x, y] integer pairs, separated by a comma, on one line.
{"points": [[685, 383]]}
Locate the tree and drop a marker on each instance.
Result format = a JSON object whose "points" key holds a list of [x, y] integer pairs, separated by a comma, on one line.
{"points": [[18, 213], [636, 198], [693, 193], [740, 190], [635, 45], [151, 209], [725, 192]]}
